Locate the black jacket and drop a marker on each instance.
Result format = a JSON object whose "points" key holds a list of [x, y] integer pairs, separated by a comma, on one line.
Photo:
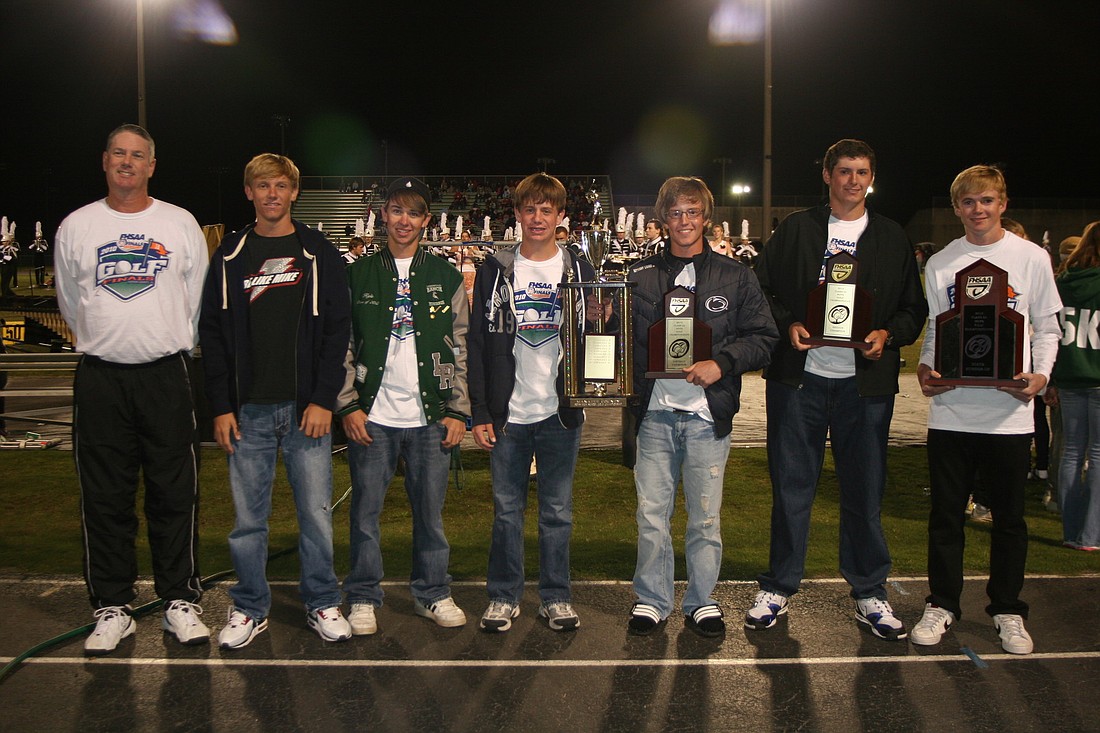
{"points": [[729, 300], [789, 269], [492, 336], [322, 331]]}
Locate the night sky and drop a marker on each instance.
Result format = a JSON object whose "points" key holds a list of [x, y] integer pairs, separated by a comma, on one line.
{"points": [[632, 89]]}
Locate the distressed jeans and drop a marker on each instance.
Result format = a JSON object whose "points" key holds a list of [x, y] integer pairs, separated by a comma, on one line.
{"points": [[672, 445], [264, 430]]}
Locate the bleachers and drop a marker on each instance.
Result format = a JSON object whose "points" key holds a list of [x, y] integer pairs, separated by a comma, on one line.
{"points": [[328, 200]]}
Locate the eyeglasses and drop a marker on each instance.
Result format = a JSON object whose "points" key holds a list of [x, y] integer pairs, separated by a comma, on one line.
{"points": [[681, 213]]}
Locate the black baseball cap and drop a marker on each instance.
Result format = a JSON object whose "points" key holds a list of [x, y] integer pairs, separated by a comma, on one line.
{"points": [[411, 185]]}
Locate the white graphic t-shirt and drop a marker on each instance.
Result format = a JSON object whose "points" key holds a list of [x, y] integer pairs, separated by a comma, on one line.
{"points": [[834, 361], [679, 394], [398, 404], [538, 348]]}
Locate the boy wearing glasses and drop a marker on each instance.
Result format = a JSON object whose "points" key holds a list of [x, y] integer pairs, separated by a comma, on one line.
{"points": [[404, 397], [845, 393], [684, 423]]}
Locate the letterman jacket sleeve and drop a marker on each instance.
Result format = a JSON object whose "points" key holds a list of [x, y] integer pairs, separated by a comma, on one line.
{"points": [[458, 406]]}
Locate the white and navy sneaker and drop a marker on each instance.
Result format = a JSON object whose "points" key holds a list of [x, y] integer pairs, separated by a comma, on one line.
{"points": [[444, 612], [878, 616], [766, 610]]}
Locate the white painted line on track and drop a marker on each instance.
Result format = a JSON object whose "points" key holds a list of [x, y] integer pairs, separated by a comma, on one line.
{"points": [[551, 663]]}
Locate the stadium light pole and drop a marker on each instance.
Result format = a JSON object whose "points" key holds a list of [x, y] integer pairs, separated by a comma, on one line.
{"points": [[141, 62], [766, 207]]}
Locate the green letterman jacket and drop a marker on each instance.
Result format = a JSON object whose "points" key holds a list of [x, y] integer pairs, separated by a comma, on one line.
{"points": [[441, 316]]}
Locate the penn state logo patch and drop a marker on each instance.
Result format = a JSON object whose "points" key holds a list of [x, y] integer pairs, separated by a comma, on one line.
{"points": [[129, 267], [717, 304]]}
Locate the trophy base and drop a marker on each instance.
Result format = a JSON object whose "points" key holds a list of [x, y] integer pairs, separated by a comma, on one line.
{"points": [[840, 343], [975, 382], [594, 401], [665, 375]]}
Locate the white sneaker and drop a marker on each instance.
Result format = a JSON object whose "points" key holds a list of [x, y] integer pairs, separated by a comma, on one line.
{"points": [[444, 612], [878, 616], [498, 616], [932, 625], [329, 624], [560, 616], [113, 624], [240, 630], [362, 620], [181, 619], [766, 610], [1014, 637]]}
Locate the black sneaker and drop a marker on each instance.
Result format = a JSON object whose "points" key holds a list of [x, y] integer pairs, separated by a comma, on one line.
{"points": [[706, 621], [644, 619]]}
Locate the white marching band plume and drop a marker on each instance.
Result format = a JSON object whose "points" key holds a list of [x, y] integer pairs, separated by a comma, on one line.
{"points": [[320, 226], [629, 223], [486, 232], [509, 235], [443, 223], [39, 244], [640, 231], [745, 229], [360, 227], [4, 229], [458, 227], [370, 224], [621, 221], [519, 232], [726, 229]]}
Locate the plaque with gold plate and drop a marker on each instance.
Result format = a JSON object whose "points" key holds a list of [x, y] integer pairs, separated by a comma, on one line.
{"points": [[679, 339], [838, 311], [980, 342], [597, 352]]}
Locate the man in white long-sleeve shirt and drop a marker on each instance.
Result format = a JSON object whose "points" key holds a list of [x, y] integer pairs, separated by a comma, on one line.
{"points": [[982, 429], [129, 272]]}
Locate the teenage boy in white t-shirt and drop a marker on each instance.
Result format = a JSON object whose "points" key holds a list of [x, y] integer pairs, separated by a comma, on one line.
{"points": [[979, 429], [516, 386], [844, 393], [404, 397]]}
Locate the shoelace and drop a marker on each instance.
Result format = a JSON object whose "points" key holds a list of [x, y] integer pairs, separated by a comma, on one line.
{"points": [[1013, 626], [935, 617]]}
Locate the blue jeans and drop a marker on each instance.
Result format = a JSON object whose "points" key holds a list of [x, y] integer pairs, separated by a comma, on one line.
{"points": [[427, 464], [1078, 488], [555, 449], [799, 418], [672, 445], [265, 429]]}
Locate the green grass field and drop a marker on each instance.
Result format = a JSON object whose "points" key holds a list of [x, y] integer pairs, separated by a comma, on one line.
{"points": [[40, 521]]}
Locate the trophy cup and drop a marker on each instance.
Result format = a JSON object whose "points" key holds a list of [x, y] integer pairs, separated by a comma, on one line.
{"points": [[597, 352], [838, 312], [980, 342]]}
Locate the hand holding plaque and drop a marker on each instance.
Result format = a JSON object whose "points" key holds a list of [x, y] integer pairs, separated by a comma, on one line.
{"points": [[838, 312], [679, 339], [980, 342]]}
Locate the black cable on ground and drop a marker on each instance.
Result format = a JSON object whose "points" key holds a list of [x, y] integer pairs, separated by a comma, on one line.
{"points": [[140, 611]]}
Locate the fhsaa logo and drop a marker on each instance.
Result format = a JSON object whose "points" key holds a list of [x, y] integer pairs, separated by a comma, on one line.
{"points": [[842, 271], [978, 286], [129, 267], [678, 306]]}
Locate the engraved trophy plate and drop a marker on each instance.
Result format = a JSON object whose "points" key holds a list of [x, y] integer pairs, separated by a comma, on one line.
{"points": [[679, 339], [980, 342], [838, 311]]}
